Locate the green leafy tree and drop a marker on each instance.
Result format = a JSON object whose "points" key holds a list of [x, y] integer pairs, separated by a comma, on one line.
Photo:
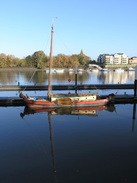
{"points": [[82, 58], [39, 58], [29, 61], [18, 62]]}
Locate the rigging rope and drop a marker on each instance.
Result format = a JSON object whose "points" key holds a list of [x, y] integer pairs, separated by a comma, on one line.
{"points": [[30, 79]]}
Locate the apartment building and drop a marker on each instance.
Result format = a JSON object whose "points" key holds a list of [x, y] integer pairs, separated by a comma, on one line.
{"points": [[133, 60], [116, 59]]}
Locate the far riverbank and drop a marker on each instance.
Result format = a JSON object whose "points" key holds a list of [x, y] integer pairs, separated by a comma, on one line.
{"points": [[46, 68], [19, 69]]}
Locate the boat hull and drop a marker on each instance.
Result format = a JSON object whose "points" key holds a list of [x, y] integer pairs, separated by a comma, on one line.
{"points": [[45, 103]]}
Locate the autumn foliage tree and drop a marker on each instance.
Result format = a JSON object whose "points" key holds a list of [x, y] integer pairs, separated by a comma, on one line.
{"points": [[70, 61], [10, 61], [39, 60]]}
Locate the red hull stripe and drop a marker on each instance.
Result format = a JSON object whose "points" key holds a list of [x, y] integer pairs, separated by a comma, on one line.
{"points": [[52, 104]]}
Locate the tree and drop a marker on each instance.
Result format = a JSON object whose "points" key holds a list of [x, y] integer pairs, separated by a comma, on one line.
{"points": [[3, 59], [82, 58], [38, 59], [61, 60], [28, 61], [18, 62], [9, 61], [74, 60]]}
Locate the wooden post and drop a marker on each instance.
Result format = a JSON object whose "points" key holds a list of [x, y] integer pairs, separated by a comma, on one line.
{"points": [[76, 78], [134, 117], [135, 88], [134, 105], [135, 83]]}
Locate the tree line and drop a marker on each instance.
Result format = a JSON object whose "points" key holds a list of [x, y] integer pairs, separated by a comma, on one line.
{"points": [[40, 60]]}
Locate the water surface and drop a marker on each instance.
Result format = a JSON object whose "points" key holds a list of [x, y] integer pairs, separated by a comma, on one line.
{"points": [[81, 148], [98, 146]]}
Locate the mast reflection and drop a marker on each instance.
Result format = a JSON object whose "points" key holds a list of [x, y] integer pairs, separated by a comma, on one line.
{"points": [[88, 111], [52, 145]]}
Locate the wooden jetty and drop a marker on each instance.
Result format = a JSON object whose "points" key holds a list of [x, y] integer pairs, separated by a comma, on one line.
{"points": [[117, 99], [16, 101], [11, 101], [66, 87]]}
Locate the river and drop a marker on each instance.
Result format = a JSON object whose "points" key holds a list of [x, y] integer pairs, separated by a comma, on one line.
{"points": [[97, 145]]}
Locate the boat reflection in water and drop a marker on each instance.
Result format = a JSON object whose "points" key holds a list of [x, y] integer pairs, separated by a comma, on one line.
{"points": [[88, 111]]}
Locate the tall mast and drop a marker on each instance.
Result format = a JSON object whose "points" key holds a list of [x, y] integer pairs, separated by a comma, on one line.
{"points": [[50, 63]]}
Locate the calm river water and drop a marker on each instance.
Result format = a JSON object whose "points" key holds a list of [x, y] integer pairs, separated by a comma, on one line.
{"points": [[96, 145]]}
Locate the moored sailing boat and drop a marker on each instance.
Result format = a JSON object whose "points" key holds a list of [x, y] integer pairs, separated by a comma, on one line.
{"points": [[63, 100]]}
